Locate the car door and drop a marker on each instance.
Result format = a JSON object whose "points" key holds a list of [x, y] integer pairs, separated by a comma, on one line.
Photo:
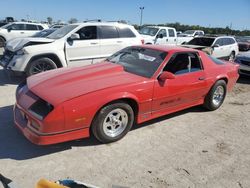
{"points": [[188, 87], [109, 40], [86, 47], [171, 37], [219, 50], [16, 30], [161, 37], [30, 30]]}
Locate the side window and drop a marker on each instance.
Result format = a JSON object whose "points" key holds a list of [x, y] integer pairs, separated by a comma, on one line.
{"points": [[163, 33], [17, 27], [125, 32], [109, 32], [40, 27], [183, 63], [219, 42], [31, 27], [171, 33], [87, 33]]}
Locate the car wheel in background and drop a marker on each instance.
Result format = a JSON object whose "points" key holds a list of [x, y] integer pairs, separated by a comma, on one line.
{"points": [[231, 56], [40, 65], [113, 122], [2, 42], [216, 95]]}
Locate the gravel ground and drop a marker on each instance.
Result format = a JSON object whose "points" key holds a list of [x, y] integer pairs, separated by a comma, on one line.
{"points": [[191, 148]]}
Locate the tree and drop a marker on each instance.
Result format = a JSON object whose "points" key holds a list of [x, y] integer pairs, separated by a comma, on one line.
{"points": [[73, 20], [49, 19]]}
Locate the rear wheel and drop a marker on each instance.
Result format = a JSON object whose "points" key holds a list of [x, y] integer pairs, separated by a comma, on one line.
{"points": [[40, 65], [2, 42], [113, 122], [216, 95]]}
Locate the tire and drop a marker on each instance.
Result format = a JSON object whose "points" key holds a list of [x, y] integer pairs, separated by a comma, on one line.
{"points": [[231, 56], [40, 65], [113, 122], [216, 95], [2, 42]]}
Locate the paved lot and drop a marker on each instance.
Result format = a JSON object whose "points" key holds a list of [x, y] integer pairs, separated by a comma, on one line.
{"points": [[192, 148]]}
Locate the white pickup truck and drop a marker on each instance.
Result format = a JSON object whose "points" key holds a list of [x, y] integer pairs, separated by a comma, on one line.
{"points": [[163, 36]]}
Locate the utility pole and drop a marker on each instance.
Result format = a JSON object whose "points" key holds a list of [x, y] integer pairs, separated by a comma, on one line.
{"points": [[141, 8]]}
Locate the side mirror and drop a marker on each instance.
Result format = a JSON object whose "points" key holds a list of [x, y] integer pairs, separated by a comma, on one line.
{"points": [[9, 29], [216, 46], [159, 36], [74, 36], [166, 75]]}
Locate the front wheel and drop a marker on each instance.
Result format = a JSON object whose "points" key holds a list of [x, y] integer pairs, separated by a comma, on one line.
{"points": [[216, 95], [113, 122], [40, 65], [231, 56]]}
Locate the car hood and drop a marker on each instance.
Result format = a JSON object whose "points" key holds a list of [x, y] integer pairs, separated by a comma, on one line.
{"points": [[147, 36], [19, 43], [57, 86]]}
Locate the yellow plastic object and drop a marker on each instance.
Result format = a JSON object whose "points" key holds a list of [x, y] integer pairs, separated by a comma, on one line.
{"points": [[43, 183]]}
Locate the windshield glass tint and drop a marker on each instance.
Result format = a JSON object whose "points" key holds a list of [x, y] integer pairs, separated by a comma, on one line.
{"points": [[148, 31], [140, 61], [44, 33], [201, 41], [6, 26], [59, 33]]}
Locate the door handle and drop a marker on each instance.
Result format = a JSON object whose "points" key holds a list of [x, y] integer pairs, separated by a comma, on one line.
{"points": [[167, 40], [119, 41], [22, 32], [93, 43], [202, 78]]}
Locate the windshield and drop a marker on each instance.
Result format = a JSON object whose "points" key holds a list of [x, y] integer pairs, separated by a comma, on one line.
{"points": [[189, 32], [6, 26], [201, 41], [140, 61], [59, 33], [149, 31], [44, 33]]}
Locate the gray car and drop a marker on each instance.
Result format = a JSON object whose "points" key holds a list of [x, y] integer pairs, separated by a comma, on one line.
{"points": [[244, 61]]}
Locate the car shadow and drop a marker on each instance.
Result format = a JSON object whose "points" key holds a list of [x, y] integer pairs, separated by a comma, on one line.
{"points": [[244, 79], [7, 78], [195, 109], [15, 146]]}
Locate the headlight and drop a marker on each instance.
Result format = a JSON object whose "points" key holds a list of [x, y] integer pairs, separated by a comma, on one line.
{"points": [[41, 109], [20, 52]]}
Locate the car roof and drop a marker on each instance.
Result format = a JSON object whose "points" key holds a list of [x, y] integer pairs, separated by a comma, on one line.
{"points": [[159, 27], [168, 48], [101, 23], [27, 23]]}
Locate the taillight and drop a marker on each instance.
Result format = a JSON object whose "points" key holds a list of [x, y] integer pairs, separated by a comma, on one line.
{"points": [[142, 41]]}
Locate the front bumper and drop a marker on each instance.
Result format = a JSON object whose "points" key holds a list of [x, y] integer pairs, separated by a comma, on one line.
{"points": [[244, 67], [23, 122], [13, 62]]}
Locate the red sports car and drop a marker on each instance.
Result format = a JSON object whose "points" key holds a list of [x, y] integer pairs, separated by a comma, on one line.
{"points": [[132, 86]]}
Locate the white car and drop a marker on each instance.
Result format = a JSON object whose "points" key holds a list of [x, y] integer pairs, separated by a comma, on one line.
{"points": [[223, 47], [159, 35], [82, 42], [191, 33], [19, 29]]}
